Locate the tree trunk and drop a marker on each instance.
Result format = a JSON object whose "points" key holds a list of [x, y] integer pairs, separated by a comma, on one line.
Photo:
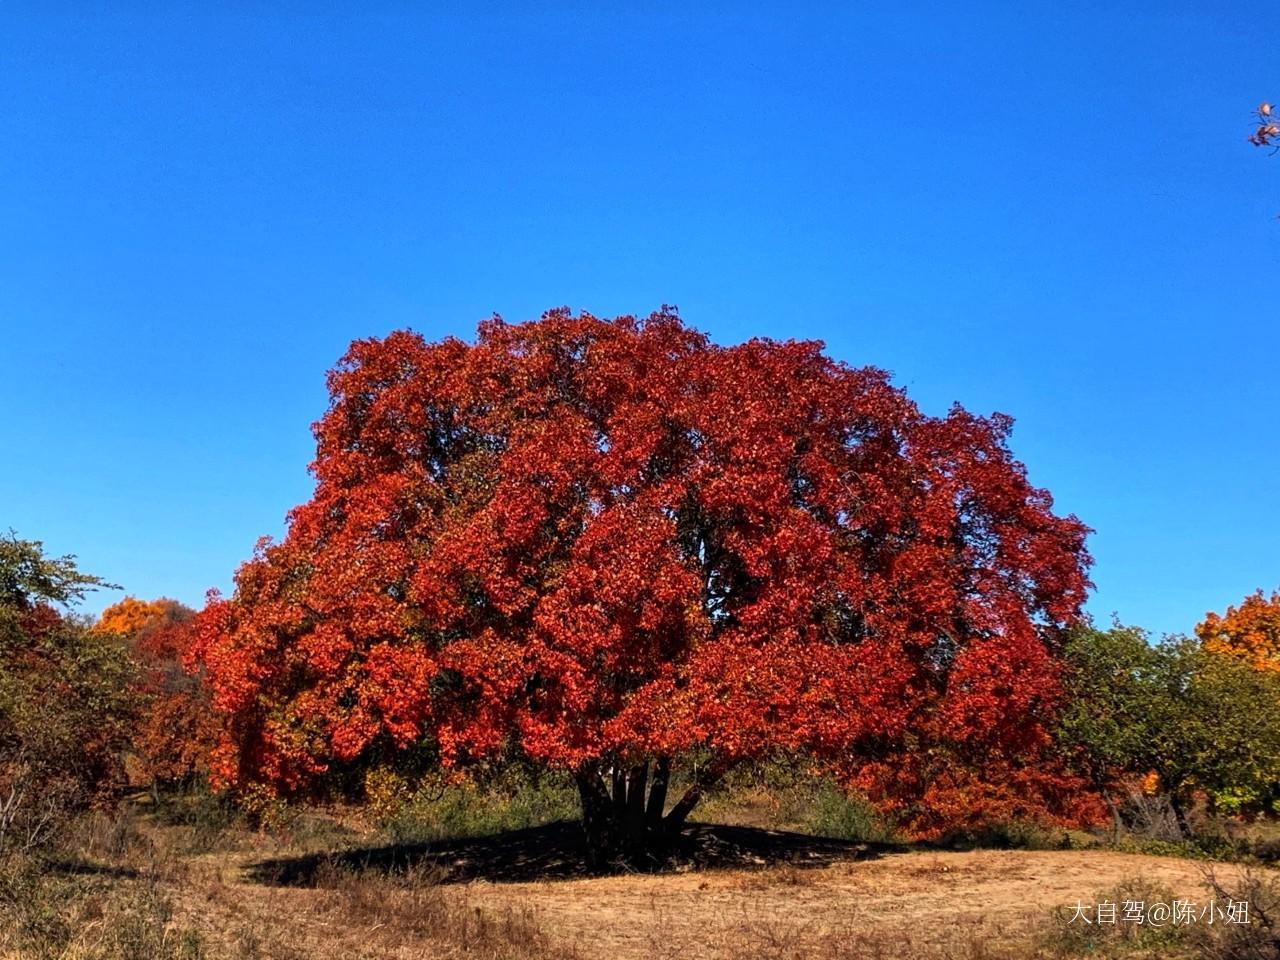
{"points": [[1101, 784], [637, 778], [703, 780], [624, 809], [658, 793], [619, 787], [599, 816], [1116, 823], [1180, 815]]}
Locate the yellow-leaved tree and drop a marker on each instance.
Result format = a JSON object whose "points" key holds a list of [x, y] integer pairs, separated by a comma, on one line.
{"points": [[1250, 631]]}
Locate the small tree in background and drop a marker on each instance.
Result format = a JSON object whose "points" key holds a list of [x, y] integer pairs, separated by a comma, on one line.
{"points": [[175, 727], [1227, 717], [1202, 721], [132, 617], [1110, 694], [66, 699], [1250, 631]]}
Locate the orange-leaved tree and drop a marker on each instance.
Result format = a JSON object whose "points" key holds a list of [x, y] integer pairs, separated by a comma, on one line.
{"points": [[1250, 631], [131, 616], [610, 546]]}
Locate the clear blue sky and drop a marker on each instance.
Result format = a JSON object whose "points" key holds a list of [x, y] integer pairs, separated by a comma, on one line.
{"points": [[1042, 211]]}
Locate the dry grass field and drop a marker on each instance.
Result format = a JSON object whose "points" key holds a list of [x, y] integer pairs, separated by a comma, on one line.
{"points": [[333, 889], [901, 905]]}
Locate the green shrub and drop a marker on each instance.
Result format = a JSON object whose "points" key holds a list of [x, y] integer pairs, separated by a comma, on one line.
{"points": [[513, 801], [1206, 844], [67, 701], [847, 817]]}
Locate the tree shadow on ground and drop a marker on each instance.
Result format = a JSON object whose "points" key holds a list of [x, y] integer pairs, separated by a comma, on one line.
{"points": [[558, 851], [87, 868]]}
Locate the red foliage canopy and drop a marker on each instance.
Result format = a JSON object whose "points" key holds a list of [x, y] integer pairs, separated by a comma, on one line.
{"points": [[613, 540]]}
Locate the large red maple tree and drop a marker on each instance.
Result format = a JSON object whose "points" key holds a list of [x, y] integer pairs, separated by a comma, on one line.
{"points": [[612, 545]]}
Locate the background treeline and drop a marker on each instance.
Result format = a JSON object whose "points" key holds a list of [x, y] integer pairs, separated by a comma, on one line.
{"points": [[1174, 742], [108, 731]]}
